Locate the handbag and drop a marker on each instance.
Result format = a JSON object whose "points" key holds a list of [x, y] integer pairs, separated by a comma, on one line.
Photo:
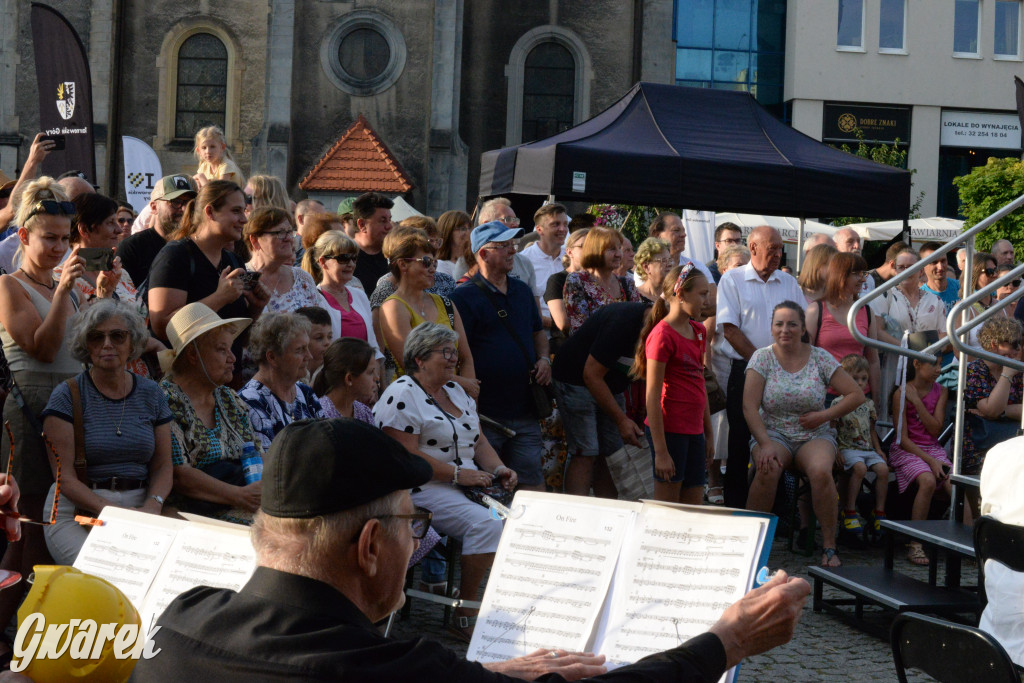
{"points": [[716, 396], [541, 395]]}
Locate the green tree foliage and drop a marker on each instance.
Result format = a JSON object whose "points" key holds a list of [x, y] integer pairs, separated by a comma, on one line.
{"points": [[631, 219], [985, 190], [890, 155]]}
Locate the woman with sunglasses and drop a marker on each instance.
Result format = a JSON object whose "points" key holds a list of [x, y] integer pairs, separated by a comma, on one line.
{"points": [[35, 307], [430, 414], [444, 284], [332, 264], [983, 274], [1007, 289], [412, 263], [124, 421], [270, 232], [125, 219]]}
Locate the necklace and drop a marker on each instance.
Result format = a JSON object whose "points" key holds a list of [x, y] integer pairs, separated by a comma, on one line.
{"points": [[124, 400], [41, 284]]}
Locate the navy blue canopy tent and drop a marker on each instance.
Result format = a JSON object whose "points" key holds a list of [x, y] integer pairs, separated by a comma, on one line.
{"points": [[697, 148]]}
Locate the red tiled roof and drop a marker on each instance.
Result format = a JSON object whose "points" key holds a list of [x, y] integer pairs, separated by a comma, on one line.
{"points": [[358, 162]]}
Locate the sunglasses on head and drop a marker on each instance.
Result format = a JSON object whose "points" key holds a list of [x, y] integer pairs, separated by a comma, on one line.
{"points": [[52, 208], [341, 258], [427, 261], [98, 336]]}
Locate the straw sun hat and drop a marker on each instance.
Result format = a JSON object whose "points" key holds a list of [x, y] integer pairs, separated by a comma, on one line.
{"points": [[191, 322]]}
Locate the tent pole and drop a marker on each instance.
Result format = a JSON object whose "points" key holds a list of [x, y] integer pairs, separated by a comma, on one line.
{"points": [[800, 245]]}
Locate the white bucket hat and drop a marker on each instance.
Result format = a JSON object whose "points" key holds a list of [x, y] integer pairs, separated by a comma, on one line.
{"points": [[191, 322]]}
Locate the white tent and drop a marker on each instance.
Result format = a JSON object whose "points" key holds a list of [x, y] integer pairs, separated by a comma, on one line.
{"points": [[402, 210], [787, 227], [921, 229]]}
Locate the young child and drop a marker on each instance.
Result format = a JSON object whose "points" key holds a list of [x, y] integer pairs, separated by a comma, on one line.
{"points": [[320, 335], [916, 454], [670, 356], [860, 450], [215, 162]]}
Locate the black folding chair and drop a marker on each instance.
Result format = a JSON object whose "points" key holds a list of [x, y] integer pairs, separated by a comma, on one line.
{"points": [[948, 652], [994, 540]]}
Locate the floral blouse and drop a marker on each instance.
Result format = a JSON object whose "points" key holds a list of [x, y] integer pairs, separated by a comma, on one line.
{"points": [[360, 411], [583, 295], [788, 395], [302, 293], [980, 384], [269, 414], [196, 445]]}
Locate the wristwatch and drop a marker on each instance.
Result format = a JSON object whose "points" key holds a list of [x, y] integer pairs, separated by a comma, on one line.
{"points": [[159, 499]]}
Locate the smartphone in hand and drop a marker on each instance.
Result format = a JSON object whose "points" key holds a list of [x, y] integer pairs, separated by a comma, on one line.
{"points": [[97, 258]]}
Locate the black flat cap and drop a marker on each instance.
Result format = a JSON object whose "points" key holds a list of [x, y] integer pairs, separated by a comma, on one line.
{"points": [[316, 467]]}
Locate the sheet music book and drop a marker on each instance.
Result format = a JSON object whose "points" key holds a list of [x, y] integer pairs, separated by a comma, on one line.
{"points": [[153, 559], [618, 578]]}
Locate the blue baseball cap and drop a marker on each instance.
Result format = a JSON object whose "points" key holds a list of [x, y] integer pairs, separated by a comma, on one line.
{"points": [[495, 231]]}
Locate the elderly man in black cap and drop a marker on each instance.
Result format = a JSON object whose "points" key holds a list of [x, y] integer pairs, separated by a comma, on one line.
{"points": [[333, 539]]}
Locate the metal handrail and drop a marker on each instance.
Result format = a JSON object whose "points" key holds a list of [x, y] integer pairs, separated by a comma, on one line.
{"points": [[961, 306], [928, 354]]}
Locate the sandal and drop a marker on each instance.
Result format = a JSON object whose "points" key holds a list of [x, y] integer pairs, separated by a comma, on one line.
{"points": [[716, 498], [916, 554], [461, 627], [829, 558]]}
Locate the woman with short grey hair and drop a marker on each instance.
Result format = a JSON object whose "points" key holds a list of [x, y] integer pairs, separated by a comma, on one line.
{"points": [[433, 417], [279, 342], [122, 419], [100, 312]]}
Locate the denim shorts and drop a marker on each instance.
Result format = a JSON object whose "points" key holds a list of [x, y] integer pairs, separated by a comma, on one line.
{"points": [[522, 452], [588, 430], [852, 456], [792, 445], [688, 454]]}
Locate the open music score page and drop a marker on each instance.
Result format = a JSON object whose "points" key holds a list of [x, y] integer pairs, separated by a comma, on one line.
{"points": [[153, 559], [618, 578]]}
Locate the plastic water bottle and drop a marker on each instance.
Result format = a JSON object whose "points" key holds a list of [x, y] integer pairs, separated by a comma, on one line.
{"points": [[252, 463]]}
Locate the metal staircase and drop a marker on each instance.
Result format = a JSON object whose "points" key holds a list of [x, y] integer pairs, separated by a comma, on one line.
{"points": [[884, 586]]}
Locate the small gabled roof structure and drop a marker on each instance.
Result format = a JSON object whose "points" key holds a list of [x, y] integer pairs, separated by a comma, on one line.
{"points": [[358, 162]]}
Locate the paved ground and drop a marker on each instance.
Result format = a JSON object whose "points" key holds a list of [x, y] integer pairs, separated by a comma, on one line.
{"points": [[823, 649]]}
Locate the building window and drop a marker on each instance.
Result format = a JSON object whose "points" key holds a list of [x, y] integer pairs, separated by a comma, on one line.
{"points": [[892, 23], [201, 98], [198, 82], [363, 53], [966, 20], [549, 80], [549, 74], [1007, 29], [851, 25], [733, 45]]}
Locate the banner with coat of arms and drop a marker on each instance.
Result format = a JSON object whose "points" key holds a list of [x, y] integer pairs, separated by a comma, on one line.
{"points": [[65, 92]]}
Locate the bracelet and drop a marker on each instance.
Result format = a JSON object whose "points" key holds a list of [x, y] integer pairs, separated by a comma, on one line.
{"points": [[455, 476], [546, 359], [499, 469], [159, 499], [1006, 377]]}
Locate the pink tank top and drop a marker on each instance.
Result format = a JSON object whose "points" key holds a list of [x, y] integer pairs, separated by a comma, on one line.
{"points": [[835, 337], [915, 428]]}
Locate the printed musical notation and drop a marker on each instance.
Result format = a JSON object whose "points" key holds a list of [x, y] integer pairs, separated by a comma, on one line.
{"points": [[550, 577], [656, 604]]}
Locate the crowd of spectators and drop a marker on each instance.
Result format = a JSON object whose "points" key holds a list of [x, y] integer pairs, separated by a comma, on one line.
{"points": [[234, 312]]}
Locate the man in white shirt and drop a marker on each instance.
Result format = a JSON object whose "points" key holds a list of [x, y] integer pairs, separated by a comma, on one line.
{"points": [[747, 296], [1002, 478], [552, 224]]}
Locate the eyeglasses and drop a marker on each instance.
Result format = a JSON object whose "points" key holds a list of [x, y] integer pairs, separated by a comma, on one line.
{"points": [[342, 258], [56, 456], [179, 202], [509, 245], [117, 337], [509, 220], [435, 242], [667, 262], [1014, 283], [448, 352], [282, 235], [124, 221], [419, 522], [248, 199], [52, 208], [426, 261]]}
